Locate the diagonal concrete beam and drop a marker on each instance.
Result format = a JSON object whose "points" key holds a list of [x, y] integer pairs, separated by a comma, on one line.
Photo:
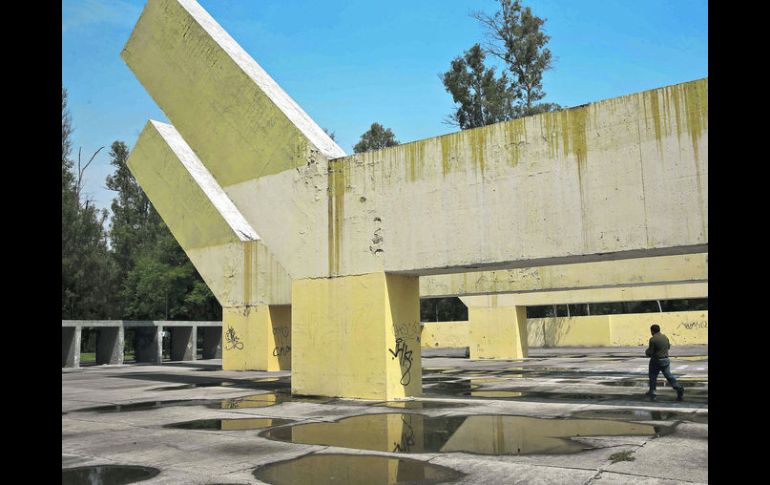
{"points": [[689, 268], [222, 246], [265, 152]]}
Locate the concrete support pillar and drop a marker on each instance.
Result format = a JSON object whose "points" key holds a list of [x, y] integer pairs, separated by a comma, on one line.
{"points": [[496, 332], [70, 346], [183, 342], [356, 336], [109, 345], [256, 337], [148, 346], [212, 342]]}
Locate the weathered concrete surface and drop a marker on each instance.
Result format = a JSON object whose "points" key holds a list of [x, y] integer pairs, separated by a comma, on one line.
{"points": [[242, 125], [148, 344], [183, 342], [358, 336], [220, 456], [256, 337], [630, 173], [671, 276], [223, 247], [70, 350]]}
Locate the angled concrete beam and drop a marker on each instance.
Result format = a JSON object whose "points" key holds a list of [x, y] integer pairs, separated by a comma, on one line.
{"points": [[626, 273], [252, 137], [224, 248], [227, 252]]}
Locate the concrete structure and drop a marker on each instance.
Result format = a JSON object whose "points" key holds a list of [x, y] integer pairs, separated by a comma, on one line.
{"points": [[626, 178], [148, 340]]}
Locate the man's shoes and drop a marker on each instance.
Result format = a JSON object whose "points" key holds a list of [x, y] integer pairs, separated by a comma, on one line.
{"points": [[650, 395], [679, 392]]}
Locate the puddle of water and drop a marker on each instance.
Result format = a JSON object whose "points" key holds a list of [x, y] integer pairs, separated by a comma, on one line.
{"points": [[493, 393], [643, 415], [106, 474], [488, 434], [419, 404], [230, 424], [355, 470], [193, 386]]}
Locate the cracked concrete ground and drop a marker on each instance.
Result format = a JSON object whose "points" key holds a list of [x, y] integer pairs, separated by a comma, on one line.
{"points": [[485, 409]]}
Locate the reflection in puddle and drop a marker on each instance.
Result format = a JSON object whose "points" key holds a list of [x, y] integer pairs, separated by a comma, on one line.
{"points": [[493, 393], [661, 383], [643, 415], [354, 470], [106, 474], [230, 424], [489, 435], [420, 404]]}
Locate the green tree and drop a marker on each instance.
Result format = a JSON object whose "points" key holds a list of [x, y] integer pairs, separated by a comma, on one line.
{"points": [[483, 98], [88, 280], [375, 138], [519, 41], [158, 280]]}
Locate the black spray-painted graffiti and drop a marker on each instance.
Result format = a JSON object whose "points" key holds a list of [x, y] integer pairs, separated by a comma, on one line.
{"points": [[407, 330], [407, 438], [282, 341], [233, 342], [404, 356], [694, 325]]}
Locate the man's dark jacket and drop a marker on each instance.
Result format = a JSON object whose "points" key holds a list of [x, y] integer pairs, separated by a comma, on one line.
{"points": [[659, 346]]}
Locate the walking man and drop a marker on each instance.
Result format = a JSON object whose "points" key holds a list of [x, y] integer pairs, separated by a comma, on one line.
{"points": [[658, 354]]}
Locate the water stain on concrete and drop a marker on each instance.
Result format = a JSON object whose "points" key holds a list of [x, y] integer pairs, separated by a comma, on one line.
{"points": [[480, 434], [106, 474], [322, 469], [240, 424]]}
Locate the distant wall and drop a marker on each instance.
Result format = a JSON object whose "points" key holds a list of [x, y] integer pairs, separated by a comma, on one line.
{"points": [[682, 328], [445, 334]]}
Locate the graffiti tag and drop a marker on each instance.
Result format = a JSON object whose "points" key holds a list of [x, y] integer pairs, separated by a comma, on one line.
{"points": [[407, 439], [694, 325], [233, 342], [282, 341], [404, 356]]}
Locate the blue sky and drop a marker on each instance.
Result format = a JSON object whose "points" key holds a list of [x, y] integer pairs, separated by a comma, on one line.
{"points": [[351, 63]]}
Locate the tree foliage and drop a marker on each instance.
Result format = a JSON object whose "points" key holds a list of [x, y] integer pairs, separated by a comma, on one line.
{"points": [[519, 41], [483, 98], [375, 138], [88, 281]]}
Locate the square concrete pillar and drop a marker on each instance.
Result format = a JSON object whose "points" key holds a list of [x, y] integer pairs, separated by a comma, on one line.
{"points": [[212, 342], [356, 336], [70, 346], [498, 332], [183, 341], [148, 344], [109, 345], [256, 337]]}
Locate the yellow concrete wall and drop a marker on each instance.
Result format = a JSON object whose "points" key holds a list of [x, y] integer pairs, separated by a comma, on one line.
{"points": [[681, 328], [256, 338], [591, 331], [444, 334], [497, 332], [356, 336]]}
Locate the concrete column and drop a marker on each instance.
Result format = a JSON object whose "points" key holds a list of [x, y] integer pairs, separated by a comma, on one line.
{"points": [[148, 346], [183, 341], [496, 332], [109, 345], [256, 337], [356, 336], [70, 346], [212, 342]]}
